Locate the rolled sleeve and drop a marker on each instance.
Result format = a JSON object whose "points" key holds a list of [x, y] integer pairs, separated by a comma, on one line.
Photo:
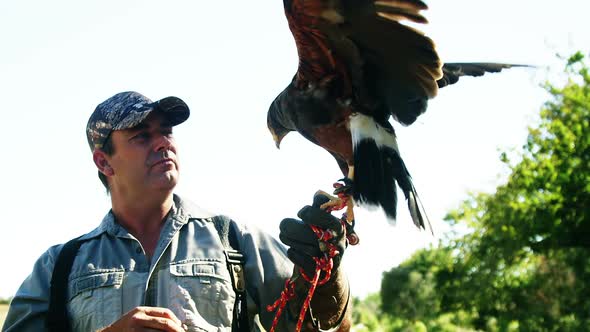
{"points": [[28, 308], [267, 268]]}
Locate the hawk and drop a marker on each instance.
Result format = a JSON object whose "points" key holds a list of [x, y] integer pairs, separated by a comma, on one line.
{"points": [[359, 67]]}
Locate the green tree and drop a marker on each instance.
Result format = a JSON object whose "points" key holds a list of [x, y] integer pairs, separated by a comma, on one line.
{"points": [[422, 292], [367, 313], [530, 241], [524, 263], [410, 289]]}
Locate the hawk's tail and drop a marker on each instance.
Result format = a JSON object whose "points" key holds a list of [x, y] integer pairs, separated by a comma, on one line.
{"points": [[378, 166]]}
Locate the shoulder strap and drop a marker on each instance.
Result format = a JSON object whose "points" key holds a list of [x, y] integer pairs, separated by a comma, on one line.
{"points": [[235, 264], [57, 319], [57, 315]]}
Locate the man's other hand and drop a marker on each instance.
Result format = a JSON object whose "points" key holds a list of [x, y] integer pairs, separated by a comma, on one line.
{"points": [[147, 319]]}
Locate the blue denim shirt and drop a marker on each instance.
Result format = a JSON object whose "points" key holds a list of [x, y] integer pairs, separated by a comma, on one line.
{"points": [[187, 274]]}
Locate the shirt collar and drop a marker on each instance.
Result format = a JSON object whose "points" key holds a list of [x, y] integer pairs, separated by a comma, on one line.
{"points": [[182, 212]]}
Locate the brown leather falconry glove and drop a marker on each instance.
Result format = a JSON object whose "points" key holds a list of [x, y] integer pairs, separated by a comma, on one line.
{"points": [[329, 306]]}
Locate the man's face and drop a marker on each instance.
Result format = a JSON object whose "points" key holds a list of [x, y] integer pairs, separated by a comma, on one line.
{"points": [[144, 158]]}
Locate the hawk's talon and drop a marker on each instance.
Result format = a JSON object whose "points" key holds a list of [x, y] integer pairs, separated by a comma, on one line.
{"points": [[341, 201], [342, 190], [343, 186], [351, 235], [353, 239], [346, 180]]}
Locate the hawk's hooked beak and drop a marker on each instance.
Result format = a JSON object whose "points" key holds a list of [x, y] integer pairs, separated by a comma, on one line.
{"points": [[277, 138]]}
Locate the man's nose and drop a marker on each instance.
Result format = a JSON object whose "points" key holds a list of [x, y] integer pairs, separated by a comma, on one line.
{"points": [[164, 142]]}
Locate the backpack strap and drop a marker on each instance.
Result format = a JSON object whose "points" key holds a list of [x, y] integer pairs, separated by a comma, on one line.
{"points": [[57, 315], [235, 264]]}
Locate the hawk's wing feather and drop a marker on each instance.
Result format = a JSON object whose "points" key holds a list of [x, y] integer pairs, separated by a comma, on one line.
{"points": [[356, 43], [316, 60], [401, 10], [453, 71]]}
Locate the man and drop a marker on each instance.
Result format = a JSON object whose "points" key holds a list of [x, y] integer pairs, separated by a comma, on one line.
{"points": [[156, 262]]}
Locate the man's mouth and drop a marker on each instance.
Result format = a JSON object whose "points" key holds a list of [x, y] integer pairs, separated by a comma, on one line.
{"points": [[163, 161]]}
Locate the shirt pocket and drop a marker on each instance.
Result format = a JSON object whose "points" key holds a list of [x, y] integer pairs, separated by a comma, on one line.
{"points": [[95, 299], [203, 289]]}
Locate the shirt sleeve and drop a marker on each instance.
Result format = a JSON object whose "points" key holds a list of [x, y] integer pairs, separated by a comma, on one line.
{"points": [[28, 308], [266, 269]]}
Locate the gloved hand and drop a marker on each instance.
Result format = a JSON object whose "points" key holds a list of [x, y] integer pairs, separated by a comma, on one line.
{"points": [[303, 242]]}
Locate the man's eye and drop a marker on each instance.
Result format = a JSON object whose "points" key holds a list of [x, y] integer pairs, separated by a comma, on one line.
{"points": [[141, 136], [167, 133]]}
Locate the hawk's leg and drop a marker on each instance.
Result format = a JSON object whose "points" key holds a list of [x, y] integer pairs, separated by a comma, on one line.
{"points": [[343, 199]]}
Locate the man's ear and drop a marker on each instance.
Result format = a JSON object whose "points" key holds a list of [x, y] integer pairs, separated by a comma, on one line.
{"points": [[102, 163]]}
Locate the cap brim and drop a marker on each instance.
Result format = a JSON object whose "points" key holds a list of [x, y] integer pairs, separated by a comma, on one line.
{"points": [[174, 108]]}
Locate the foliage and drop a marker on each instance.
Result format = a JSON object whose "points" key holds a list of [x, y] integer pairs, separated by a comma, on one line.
{"points": [[412, 286], [531, 237], [368, 314], [524, 265]]}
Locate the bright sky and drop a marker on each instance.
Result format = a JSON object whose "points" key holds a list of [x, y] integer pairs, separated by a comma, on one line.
{"points": [[228, 60]]}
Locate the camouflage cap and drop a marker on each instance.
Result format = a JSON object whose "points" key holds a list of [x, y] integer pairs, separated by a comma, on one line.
{"points": [[127, 110]]}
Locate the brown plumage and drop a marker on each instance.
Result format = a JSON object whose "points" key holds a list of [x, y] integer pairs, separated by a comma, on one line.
{"points": [[359, 67]]}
